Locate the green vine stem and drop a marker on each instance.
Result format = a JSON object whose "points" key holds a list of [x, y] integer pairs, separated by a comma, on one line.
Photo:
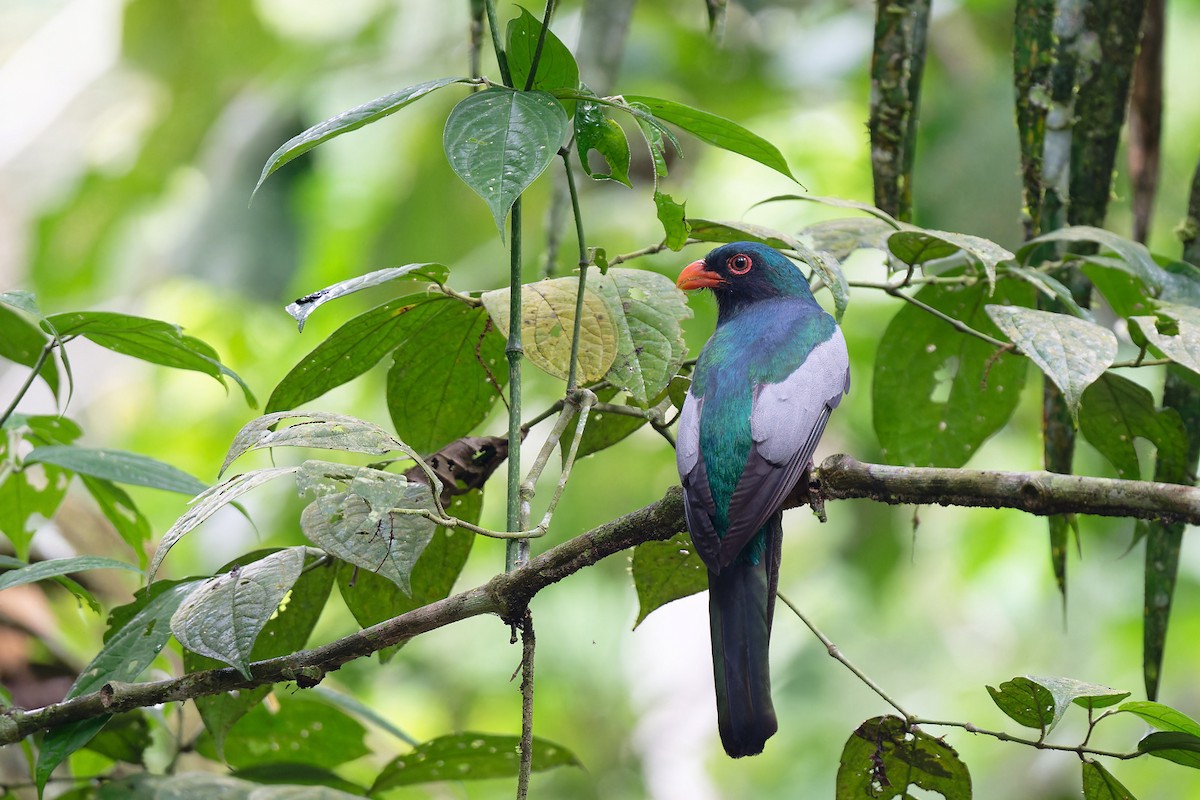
{"points": [[33, 373], [583, 267]]}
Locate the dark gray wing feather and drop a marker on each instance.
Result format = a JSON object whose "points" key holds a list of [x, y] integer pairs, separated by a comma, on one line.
{"points": [[698, 504]]}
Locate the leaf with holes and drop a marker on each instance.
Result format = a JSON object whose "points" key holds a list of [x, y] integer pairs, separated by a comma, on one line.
{"points": [[366, 524], [373, 598], [672, 216], [884, 758], [938, 394], [1115, 411], [666, 571], [547, 322], [448, 369], [301, 308], [348, 121], [285, 632], [1071, 352], [500, 141], [715, 130], [300, 729], [596, 131], [224, 615], [317, 429], [468, 756]]}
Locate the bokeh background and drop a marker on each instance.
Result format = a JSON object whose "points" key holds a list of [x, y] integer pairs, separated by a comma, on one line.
{"points": [[130, 138]]}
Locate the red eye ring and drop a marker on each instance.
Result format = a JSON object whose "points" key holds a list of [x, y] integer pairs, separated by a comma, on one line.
{"points": [[739, 264]]}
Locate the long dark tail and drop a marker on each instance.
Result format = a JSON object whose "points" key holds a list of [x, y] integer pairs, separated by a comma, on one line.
{"points": [[741, 604]]}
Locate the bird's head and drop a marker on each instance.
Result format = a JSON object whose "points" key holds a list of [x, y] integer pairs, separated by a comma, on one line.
{"points": [[743, 273]]}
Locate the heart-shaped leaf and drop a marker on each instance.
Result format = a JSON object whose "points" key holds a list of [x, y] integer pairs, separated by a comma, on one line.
{"points": [[499, 141]]}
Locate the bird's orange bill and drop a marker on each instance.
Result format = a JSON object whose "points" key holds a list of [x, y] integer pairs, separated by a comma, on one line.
{"points": [[695, 276]]}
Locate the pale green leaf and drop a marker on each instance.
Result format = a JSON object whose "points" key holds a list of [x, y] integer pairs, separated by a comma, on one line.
{"points": [[1072, 352], [224, 615]]}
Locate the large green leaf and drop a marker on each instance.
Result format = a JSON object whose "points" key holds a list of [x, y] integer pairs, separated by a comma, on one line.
{"points": [[347, 121], [285, 632], [134, 639], [147, 339], [1072, 352], [547, 322], [118, 466], [937, 393], [885, 758], [348, 352], [1040, 702], [301, 308], [666, 571], [372, 598], [1133, 256], [556, 68], [365, 523], [29, 496], [1116, 411], [499, 141], [448, 369], [224, 615], [468, 756], [303, 730], [715, 130]]}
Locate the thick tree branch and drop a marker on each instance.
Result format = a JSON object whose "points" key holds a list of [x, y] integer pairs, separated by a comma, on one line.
{"points": [[508, 594]]}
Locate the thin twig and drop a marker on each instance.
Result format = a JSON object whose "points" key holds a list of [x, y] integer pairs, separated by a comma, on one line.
{"points": [[537, 52], [840, 657], [583, 267]]}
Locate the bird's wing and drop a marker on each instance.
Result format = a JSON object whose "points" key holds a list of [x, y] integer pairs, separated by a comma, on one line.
{"points": [[786, 422], [698, 504]]}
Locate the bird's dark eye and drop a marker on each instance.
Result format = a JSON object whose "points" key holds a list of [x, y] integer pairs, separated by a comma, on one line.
{"points": [[739, 264]]}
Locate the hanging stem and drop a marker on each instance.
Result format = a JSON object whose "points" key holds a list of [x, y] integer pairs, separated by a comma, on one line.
{"points": [[527, 650], [37, 368], [583, 266]]}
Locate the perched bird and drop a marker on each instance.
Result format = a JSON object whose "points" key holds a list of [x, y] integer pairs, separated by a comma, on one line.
{"points": [[761, 393]]}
